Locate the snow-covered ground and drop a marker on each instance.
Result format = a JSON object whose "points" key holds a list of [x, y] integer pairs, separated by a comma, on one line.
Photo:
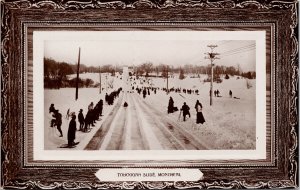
{"points": [[145, 124]]}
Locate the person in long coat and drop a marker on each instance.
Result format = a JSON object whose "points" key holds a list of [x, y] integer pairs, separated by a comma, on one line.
{"points": [[81, 120], [100, 107], [72, 131], [58, 122], [171, 105], [144, 93], [200, 118]]}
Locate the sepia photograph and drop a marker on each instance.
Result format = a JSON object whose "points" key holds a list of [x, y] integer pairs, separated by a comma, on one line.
{"points": [[149, 94], [144, 91]]}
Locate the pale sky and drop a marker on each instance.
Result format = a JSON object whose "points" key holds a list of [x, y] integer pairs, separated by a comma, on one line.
{"points": [[135, 52]]}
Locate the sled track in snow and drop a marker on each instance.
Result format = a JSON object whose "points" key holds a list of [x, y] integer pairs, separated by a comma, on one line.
{"points": [[97, 140], [121, 130]]}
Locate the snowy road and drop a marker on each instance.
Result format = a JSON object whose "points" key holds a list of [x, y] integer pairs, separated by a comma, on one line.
{"points": [[141, 126]]}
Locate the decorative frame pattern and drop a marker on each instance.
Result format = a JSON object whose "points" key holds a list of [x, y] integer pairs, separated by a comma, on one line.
{"points": [[15, 13]]}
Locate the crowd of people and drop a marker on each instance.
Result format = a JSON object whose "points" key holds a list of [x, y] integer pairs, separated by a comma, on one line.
{"points": [[109, 98], [93, 114]]}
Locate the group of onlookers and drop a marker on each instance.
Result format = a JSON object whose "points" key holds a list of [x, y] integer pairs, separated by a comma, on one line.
{"points": [[109, 98], [93, 114]]}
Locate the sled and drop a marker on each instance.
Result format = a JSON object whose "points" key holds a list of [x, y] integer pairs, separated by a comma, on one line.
{"points": [[67, 146], [236, 98]]}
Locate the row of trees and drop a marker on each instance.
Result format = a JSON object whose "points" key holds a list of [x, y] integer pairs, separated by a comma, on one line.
{"points": [[163, 70], [55, 73], [53, 69]]}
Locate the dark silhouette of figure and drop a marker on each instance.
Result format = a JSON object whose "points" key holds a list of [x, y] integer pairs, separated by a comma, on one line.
{"points": [[185, 111], [144, 93], [230, 93], [171, 105], [100, 107], [200, 118], [51, 108], [125, 104], [72, 131], [87, 121], [81, 120], [57, 121]]}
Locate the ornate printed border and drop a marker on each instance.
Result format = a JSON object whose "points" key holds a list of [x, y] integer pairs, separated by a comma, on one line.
{"points": [[12, 170]]}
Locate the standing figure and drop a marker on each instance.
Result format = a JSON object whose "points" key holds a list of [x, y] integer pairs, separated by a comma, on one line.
{"points": [[144, 93], [58, 122], [100, 107], [72, 131], [106, 98], [81, 120], [171, 105], [185, 111], [87, 122], [218, 93], [91, 106], [148, 92], [230, 93], [200, 118]]}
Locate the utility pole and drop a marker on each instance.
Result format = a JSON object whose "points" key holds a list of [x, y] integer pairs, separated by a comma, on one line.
{"points": [[211, 56], [77, 79], [100, 79], [167, 79], [106, 81]]}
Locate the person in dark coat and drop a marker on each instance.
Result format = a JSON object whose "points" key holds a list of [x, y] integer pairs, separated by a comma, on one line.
{"points": [[87, 121], [171, 105], [200, 118], [72, 131], [230, 93], [51, 108], [81, 120], [100, 107], [106, 98], [185, 111], [58, 121], [144, 93]]}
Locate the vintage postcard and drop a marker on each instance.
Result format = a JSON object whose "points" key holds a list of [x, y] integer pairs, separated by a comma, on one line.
{"points": [[129, 94]]}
